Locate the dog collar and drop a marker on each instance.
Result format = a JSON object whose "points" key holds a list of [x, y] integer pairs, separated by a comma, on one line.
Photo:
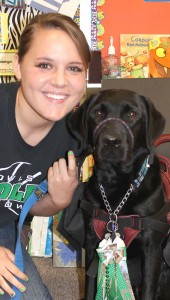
{"points": [[142, 172]]}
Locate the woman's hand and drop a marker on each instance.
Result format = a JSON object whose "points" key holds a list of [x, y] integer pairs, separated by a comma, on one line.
{"points": [[8, 271], [62, 181]]}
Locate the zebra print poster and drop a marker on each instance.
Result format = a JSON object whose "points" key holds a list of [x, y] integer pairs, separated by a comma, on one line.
{"points": [[17, 20]]}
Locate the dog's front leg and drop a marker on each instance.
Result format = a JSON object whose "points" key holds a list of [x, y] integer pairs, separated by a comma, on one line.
{"points": [[152, 265]]}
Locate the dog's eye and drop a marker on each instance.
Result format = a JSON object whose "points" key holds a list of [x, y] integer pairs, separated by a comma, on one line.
{"points": [[131, 115], [98, 113]]}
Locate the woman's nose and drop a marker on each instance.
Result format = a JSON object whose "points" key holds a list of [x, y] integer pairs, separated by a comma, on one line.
{"points": [[59, 78]]}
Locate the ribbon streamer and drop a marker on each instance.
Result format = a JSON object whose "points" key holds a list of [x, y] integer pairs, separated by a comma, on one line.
{"points": [[113, 281]]}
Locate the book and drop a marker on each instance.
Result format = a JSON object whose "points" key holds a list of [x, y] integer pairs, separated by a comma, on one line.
{"points": [[41, 240], [134, 55], [63, 253], [159, 57]]}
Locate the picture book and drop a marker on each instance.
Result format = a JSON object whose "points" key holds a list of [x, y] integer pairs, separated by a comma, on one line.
{"points": [[134, 55], [41, 239], [63, 253], [159, 57]]}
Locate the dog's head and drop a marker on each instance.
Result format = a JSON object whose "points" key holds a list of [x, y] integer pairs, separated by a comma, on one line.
{"points": [[116, 123]]}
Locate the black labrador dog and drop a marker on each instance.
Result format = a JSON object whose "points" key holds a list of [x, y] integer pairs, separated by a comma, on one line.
{"points": [[119, 128]]}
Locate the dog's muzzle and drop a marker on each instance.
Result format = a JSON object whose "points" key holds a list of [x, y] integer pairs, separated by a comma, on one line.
{"points": [[114, 120]]}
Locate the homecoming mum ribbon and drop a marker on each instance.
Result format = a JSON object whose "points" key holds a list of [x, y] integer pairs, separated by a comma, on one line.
{"points": [[113, 281]]}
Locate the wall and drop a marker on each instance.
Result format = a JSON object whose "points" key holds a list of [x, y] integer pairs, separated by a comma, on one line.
{"points": [[133, 16]]}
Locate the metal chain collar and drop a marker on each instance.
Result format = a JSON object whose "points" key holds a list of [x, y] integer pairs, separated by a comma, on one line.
{"points": [[136, 184], [119, 207]]}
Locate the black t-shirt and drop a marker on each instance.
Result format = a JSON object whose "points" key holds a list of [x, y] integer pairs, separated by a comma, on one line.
{"points": [[23, 167]]}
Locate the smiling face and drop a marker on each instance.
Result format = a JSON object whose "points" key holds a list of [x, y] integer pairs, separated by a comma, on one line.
{"points": [[52, 74]]}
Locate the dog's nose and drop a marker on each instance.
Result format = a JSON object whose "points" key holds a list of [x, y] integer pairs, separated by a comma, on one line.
{"points": [[111, 141]]}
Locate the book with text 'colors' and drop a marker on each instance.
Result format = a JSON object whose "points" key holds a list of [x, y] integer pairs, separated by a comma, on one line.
{"points": [[134, 54]]}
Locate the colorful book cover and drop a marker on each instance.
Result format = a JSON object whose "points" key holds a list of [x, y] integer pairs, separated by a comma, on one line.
{"points": [[134, 55], [100, 27], [159, 57], [87, 168], [91, 17], [3, 28], [63, 254]]}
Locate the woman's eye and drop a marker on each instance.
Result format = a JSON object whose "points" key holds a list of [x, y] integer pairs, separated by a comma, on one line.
{"points": [[75, 69], [44, 66], [131, 115]]}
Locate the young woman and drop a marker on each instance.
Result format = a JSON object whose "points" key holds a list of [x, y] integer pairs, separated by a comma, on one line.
{"points": [[51, 67]]}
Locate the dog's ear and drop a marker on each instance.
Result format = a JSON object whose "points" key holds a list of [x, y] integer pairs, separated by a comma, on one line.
{"points": [[78, 127], [155, 123]]}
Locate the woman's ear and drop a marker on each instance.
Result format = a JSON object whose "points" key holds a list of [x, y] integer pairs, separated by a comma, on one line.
{"points": [[16, 66]]}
